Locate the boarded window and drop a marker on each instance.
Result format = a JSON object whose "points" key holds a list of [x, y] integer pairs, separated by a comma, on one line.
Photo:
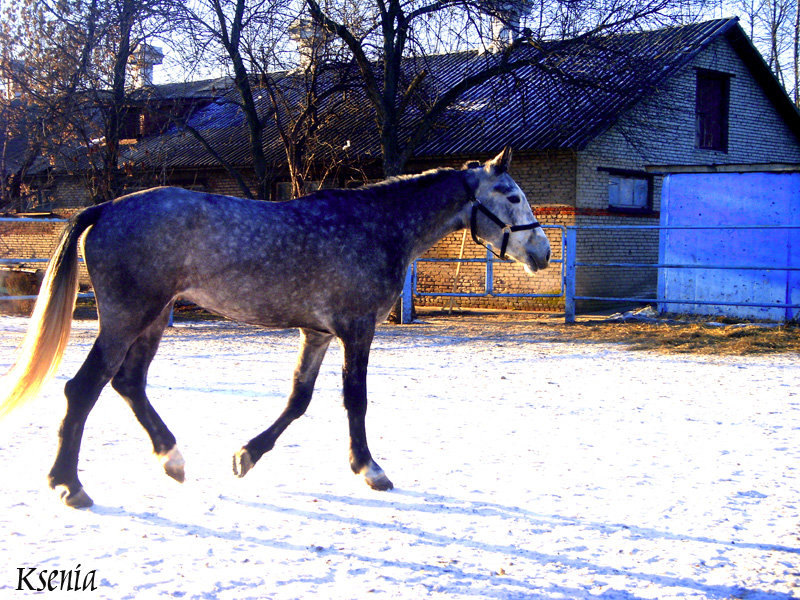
{"points": [[629, 191], [711, 110]]}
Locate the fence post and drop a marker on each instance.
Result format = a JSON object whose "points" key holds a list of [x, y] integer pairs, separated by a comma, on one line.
{"points": [[407, 298], [569, 275], [489, 285]]}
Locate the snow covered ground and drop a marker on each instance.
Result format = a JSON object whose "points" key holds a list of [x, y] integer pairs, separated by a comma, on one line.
{"points": [[524, 468]]}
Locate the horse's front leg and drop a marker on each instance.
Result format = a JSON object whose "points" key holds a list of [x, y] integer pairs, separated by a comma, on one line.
{"points": [[312, 352], [356, 342]]}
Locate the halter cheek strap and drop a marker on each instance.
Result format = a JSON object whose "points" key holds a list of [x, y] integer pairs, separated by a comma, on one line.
{"points": [[507, 229]]}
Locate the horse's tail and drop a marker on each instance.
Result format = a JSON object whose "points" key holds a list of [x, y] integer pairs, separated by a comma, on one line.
{"points": [[51, 321]]}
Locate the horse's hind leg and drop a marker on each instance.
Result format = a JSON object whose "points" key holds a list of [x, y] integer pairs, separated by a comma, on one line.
{"points": [[82, 392], [130, 381], [312, 352], [356, 341]]}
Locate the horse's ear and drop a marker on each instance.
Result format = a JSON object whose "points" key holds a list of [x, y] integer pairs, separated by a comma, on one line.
{"points": [[501, 162]]}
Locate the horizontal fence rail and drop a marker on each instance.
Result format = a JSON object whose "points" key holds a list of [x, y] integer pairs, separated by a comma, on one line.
{"points": [[572, 264], [32, 220], [411, 287]]}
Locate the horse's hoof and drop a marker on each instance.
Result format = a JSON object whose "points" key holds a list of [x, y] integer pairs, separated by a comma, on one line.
{"points": [[79, 499], [173, 464], [376, 478], [381, 484], [242, 462]]}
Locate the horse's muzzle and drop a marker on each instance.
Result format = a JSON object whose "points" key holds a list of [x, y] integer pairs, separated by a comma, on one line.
{"points": [[538, 260]]}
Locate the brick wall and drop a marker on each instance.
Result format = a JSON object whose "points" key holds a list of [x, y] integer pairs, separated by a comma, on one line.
{"points": [[509, 278], [69, 193], [548, 180], [34, 240], [29, 240]]}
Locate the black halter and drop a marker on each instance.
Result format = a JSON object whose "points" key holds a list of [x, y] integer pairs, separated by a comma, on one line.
{"points": [[507, 229]]}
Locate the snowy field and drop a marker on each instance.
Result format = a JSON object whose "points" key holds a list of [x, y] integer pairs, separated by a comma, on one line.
{"points": [[524, 468]]}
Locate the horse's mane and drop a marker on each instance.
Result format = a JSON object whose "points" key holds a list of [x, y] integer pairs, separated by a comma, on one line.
{"points": [[402, 180], [392, 188]]}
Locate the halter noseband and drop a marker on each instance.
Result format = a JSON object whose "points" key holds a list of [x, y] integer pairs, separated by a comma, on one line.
{"points": [[507, 229]]}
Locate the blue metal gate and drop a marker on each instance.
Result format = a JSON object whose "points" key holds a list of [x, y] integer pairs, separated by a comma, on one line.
{"points": [[790, 268]]}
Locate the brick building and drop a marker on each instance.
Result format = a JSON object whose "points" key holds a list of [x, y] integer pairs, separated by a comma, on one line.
{"points": [[594, 128], [716, 106]]}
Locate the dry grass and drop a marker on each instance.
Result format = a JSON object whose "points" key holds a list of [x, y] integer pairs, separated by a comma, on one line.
{"points": [[737, 339], [683, 334], [695, 338]]}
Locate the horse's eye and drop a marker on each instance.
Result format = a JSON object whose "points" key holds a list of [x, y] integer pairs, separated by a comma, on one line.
{"points": [[514, 199]]}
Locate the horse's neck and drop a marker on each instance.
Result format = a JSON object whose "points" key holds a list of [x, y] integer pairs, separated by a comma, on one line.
{"points": [[438, 210]]}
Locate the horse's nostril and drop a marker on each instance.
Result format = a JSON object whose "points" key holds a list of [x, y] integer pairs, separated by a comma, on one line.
{"points": [[547, 258]]}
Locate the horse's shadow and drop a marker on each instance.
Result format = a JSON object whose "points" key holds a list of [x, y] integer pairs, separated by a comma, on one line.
{"points": [[483, 583], [435, 503]]}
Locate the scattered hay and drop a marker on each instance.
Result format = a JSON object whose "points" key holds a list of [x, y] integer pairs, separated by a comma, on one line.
{"points": [[676, 334], [695, 338], [681, 336]]}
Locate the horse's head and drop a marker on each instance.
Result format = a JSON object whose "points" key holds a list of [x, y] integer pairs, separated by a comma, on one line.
{"points": [[500, 214]]}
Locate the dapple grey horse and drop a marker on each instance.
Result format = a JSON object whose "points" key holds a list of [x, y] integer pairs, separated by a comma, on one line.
{"points": [[331, 264]]}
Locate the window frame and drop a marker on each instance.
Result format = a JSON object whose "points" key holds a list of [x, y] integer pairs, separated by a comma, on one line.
{"points": [[648, 178]]}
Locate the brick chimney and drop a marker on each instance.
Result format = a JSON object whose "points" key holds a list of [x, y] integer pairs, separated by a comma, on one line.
{"points": [[142, 63], [506, 16], [311, 40]]}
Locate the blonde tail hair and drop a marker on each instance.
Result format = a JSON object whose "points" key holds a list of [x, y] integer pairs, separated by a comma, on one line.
{"points": [[51, 321]]}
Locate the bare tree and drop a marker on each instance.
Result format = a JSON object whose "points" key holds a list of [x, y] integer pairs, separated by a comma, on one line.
{"points": [[796, 55], [44, 62], [774, 28], [69, 62], [308, 97], [387, 34], [394, 42], [226, 26], [127, 26]]}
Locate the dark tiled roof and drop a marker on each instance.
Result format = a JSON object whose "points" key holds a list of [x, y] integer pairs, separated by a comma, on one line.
{"points": [[578, 90], [574, 92], [208, 88]]}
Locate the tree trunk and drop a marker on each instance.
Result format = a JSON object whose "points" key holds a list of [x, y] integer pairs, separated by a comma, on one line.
{"points": [[110, 186]]}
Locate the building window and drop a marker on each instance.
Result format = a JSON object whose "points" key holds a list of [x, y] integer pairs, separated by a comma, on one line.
{"points": [[711, 110], [629, 190]]}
